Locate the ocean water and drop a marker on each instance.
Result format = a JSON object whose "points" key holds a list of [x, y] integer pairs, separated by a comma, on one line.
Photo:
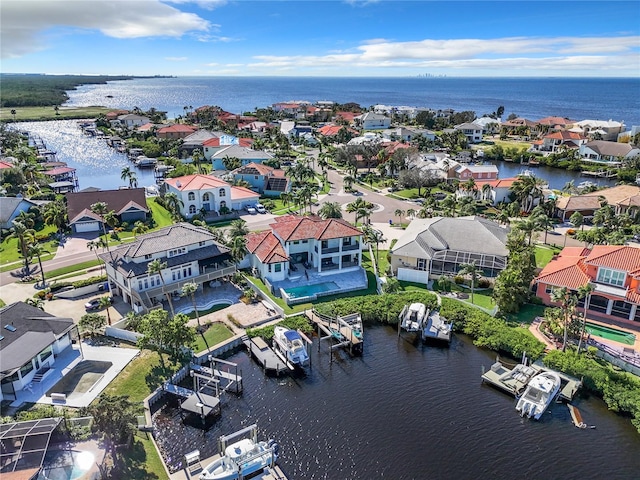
{"points": [[533, 98]]}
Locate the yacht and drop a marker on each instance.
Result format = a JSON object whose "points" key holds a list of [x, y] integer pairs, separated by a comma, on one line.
{"points": [[242, 458], [540, 392], [291, 345], [412, 317]]}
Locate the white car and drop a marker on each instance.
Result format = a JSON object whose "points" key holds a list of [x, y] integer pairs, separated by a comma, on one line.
{"points": [[251, 211], [260, 208]]}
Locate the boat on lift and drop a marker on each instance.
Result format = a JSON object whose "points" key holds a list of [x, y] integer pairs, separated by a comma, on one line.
{"points": [[540, 392], [290, 344], [412, 317]]}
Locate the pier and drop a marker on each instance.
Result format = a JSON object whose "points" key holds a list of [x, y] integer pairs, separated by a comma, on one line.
{"points": [[347, 331], [265, 356], [514, 381], [599, 174]]}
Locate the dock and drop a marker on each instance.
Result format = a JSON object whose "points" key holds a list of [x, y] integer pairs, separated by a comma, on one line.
{"points": [[346, 331], [437, 328], [514, 381], [194, 471], [599, 174], [265, 356]]}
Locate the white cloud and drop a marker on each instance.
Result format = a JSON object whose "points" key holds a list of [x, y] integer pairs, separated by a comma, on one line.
{"points": [[25, 22], [555, 53], [206, 4], [176, 59]]}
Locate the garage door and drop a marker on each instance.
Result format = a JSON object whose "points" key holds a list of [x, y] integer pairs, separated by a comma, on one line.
{"points": [[87, 227]]}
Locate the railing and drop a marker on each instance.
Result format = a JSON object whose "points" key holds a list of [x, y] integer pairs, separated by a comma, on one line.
{"points": [[355, 246], [174, 286], [350, 264], [330, 266], [330, 250]]}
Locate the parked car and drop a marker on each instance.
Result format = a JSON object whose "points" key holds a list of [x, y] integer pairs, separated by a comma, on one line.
{"points": [[251, 211], [260, 208], [94, 304]]}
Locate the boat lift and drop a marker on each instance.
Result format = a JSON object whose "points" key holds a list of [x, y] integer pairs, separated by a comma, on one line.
{"points": [[347, 331]]}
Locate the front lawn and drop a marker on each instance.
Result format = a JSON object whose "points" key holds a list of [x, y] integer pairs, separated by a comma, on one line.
{"points": [[10, 253], [160, 215], [527, 313], [544, 255]]}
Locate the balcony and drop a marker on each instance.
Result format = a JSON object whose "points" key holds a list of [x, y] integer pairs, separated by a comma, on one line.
{"points": [[610, 290], [349, 264], [354, 246], [330, 250], [176, 286]]}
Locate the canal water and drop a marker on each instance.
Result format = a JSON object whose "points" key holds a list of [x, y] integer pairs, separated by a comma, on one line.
{"points": [[556, 177], [407, 411]]}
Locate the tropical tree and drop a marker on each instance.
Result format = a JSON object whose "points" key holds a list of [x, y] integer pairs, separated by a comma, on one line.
{"points": [[474, 273], [161, 333], [399, 213], [486, 191], [372, 235], [101, 209], [196, 156], [568, 301], [361, 208], [577, 220], [92, 322], [35, 302], [25, 237], [94, 246], [173, 203], [529, 226], [55, 213], [527, 189], [155, 267], [129, 175], [115, 417], [584, 293], [189, 289], [139, 228], [411, 213], [105, 303], [449, 206], [330, 210], [238, 248], [348, 181], [512, 287], [37, 250], [237, 228], [391, 285]]}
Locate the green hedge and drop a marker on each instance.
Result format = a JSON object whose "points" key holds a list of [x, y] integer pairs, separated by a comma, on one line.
{"points": [[619, 390], [376, 308], [89, 281], [299, 322]]}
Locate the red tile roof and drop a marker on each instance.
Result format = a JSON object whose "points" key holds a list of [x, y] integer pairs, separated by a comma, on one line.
{"points": [[292, 227], [196, 182], [59, 171], [266, 246], [239, 193], [553, 121], [178, 128], [566, 135], [499, 183], [564, 271], [617, 257], [6, 165]]}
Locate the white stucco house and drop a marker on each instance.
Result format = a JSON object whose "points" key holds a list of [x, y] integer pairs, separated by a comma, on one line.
{"points": [[602, 151], [190, 254], [207, 193], [373, 121], [472, 131]]}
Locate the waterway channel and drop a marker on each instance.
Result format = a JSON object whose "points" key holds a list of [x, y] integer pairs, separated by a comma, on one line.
{"points": [[407, 411]]}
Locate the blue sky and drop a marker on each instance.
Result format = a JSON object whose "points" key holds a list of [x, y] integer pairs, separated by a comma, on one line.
{"points": [[321, 38]]}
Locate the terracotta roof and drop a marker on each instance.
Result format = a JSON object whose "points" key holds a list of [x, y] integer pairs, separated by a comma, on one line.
{"points": [[578, 202], [266, 246], [117, 200], [617, 257], [6, 165], [177, 128], [195, 182], [566, 135], [59, 171], [553, 121], [498, 183], [257, 169], [564, 271], [239, 193], [347, 116], [292, 227]]}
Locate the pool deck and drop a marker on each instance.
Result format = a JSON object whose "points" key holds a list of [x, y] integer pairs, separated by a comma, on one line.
{"points": [[65, 362]]}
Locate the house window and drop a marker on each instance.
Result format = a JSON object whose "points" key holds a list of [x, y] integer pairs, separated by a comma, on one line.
{"points": [[25, 369], [278, 267], [296, 242], [205, 197], [223, 204], [346, 241], [176, 251], [222, 192], [46, 353], [421, 264], [305, 241], [548, 289], [255, 177], [325, 244], [186, 272], [191, 196], [148, 256], [612, 277], [269, 268], [192, 209], [176, 275], [201, 244]]}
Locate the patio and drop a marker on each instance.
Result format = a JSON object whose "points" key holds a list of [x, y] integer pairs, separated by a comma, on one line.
{"points": [[36, 392], [210, 294]]}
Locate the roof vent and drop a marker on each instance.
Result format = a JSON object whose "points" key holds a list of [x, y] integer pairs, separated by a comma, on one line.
{"points": [[178, 184], [11, 328]]}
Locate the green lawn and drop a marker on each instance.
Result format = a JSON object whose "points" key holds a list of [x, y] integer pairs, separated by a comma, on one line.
{"points": [[216, 333], [527, 313], [140, 461], [71, 268], [544, 255], [10, 253], [382, 262], [160, 215], [48, 113], [481, 299], [142, 376]]}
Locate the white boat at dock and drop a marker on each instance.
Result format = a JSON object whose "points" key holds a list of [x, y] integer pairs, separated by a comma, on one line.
{"points": [[242, 458], [437, 327], [145, 162], [412, 317], [290, 344], [540, 392]]}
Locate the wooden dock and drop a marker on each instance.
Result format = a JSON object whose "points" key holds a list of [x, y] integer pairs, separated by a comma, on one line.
{"points": [[342, 330], [217, 374], [265, 356], [514, 381]]}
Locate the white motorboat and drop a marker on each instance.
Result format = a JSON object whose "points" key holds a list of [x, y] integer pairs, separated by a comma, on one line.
{"points": [[540, 392], [241, 459], [291, 345], [437, 327], [412, 317]]}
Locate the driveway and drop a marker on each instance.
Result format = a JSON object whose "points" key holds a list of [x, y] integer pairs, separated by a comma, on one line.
{"points": [[75, 244]]}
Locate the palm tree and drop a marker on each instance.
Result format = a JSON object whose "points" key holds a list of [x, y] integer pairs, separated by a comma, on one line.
{"points": [[94, 245], [486, 191], [173, 203], [399, 213], [37, 250], [330, 210], [55, 213], [105, 302], [101, 209], [449, 205], [155, 267], [238, 248], [238, 228], [361, 208], [526, 190], [196, 156], [411, 213], [189, 289], [126, 174], [584, 292], [374, 236], [348, 182], [568, 302], [529, 225], [25, 237], [473, 271]]}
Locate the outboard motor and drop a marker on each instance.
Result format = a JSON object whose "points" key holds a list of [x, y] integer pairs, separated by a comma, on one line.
{"points": [[275, 446]]}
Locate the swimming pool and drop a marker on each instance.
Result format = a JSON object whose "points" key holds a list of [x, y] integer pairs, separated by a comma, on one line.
{"points": [[610, 333], [81, 378], [311, 290], [67, 465]]}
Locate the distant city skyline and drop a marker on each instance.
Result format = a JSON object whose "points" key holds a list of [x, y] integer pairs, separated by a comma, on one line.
{"points": [[336, 38]]}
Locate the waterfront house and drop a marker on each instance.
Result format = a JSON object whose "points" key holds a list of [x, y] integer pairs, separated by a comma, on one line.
{"points": [[437, 246], [196, 140], [472, 131], [30, 342], [64, 179], [599, 129], [174, 132], [129, 205], [520, 126], [489, 125], [406, 134], [624, 199], [372, 121], [326, 246], [555, 123], [131, 120], [190, 253], [265, 180], [246, 156], [562, 139], [613, 271], [222, 140], [612, 153], [10, 208], [464, 172], [209, 195], [499, 190]]}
